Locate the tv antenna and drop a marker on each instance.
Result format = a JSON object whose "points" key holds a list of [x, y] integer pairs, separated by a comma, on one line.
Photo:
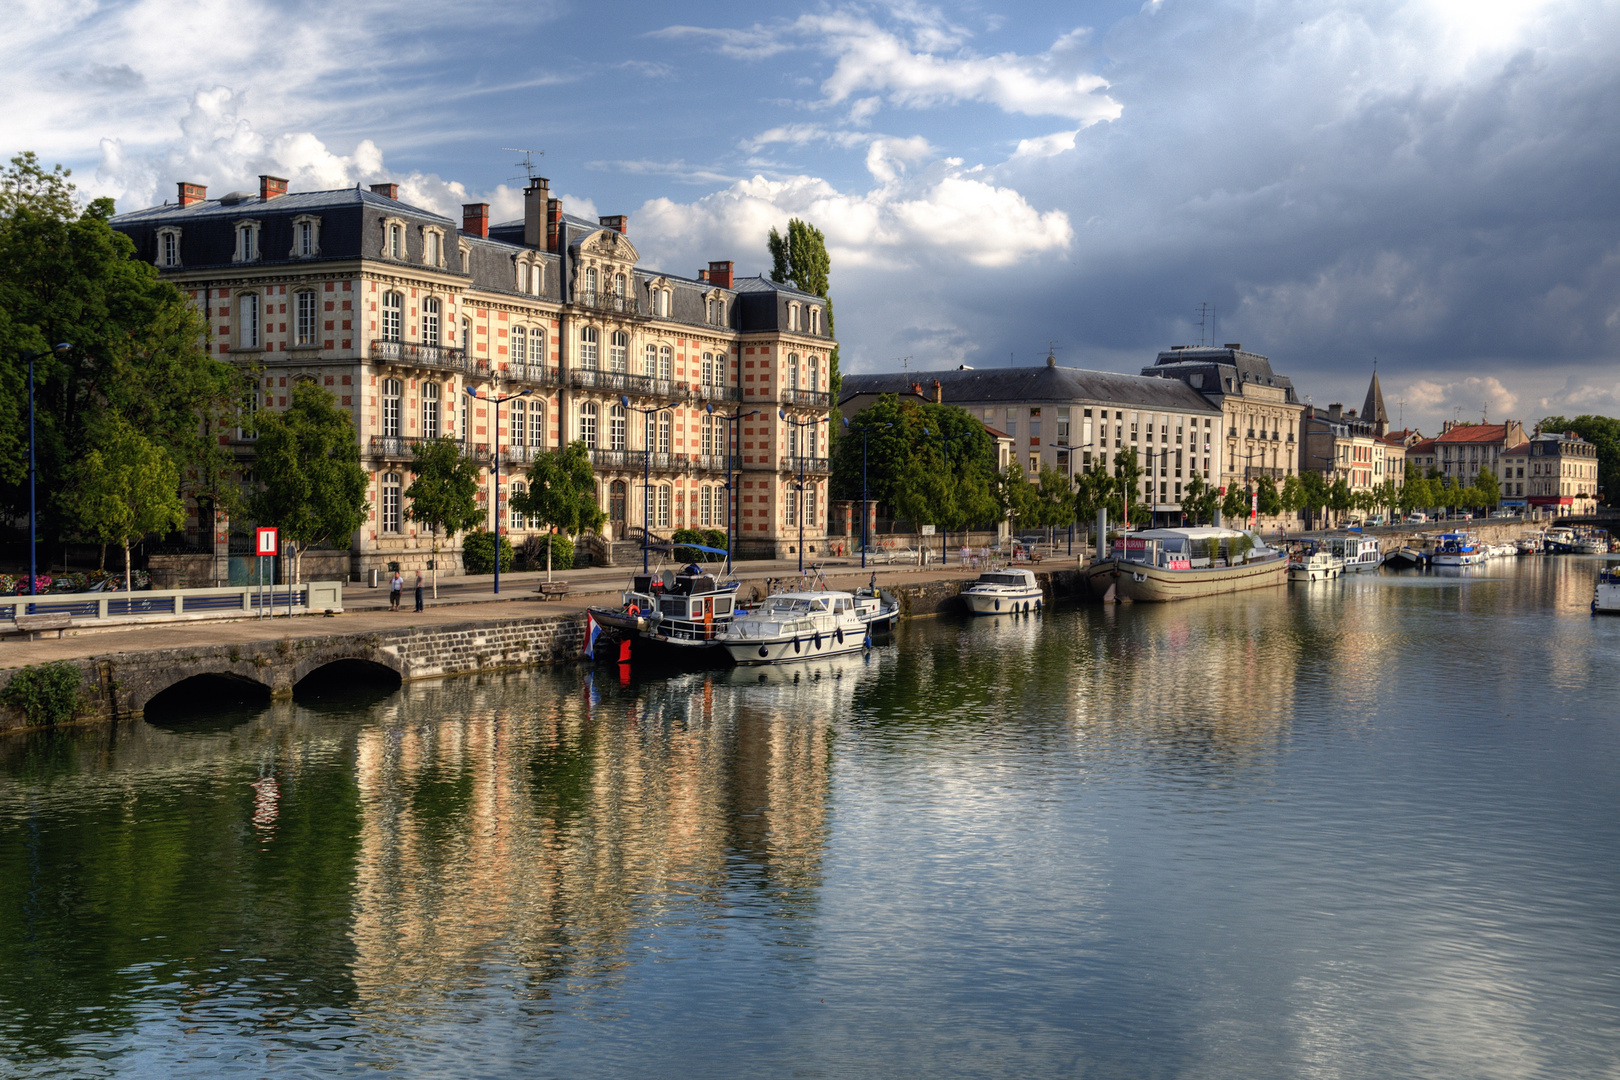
{"points": [[905, 362], [1206, 314], [527, 164], [1051, 350]]}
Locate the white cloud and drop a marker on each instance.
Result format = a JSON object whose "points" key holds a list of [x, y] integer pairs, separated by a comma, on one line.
{"points": [[1472, 398], [1046, 145]]}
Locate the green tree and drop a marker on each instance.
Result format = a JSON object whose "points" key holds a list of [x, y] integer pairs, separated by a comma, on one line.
{"points": [[1313, 494], [443, 493], [139, 347], [1338, 497], [1235, 506], [800, 259], [1199, 499], [307, 474], [1128, 473], [562, 493], [1292, 496], [1270, 501], [1603, 432], [1488, 489], [1055, 498], [124, 487]]}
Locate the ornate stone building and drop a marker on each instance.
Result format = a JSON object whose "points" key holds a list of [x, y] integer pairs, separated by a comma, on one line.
{"points": [[687, 390]]}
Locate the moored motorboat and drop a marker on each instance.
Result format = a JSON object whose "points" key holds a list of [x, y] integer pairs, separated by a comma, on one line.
{"points": [[685, 610], [1406, 557], [1318, 565], [1177, 564], [877, 609], [1606, 593], [793, 626], [1360, 553], [1456, 549], [1003, 592]]}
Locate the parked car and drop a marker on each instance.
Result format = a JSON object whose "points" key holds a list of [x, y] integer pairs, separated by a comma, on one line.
{"points": [[1417, 519], [1376, 520]]}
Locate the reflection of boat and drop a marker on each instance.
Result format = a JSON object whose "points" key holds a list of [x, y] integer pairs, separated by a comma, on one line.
{"points": [[795, 626], [1315, 566], [687, 610], [1000, 592], [1456, 549], [1360, 553], [1175, 564], [1606, 594]]}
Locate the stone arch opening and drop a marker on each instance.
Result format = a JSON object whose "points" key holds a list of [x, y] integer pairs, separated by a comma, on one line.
{"points": [[211, 697], [344, 681]]}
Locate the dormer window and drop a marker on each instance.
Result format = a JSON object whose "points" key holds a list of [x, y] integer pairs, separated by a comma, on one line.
{"points": [[793, 317], [168, 249], [432, 247], [815, 320], [306, 237], [716, 312], [393, 239], [247, 241]]}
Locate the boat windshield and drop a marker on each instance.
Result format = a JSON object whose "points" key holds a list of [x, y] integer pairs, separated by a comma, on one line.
{"points": [[1000, 579]]}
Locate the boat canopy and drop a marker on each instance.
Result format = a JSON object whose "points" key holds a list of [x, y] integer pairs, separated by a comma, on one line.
{"points": [[1201, 532]]}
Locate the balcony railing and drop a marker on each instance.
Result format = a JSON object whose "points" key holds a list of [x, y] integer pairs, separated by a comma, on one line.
{"points": [[403, 447], [816, 466], [536, 374], [614, 459], [715, 392], [619, 382], [1255, 472], [716, 463], [521, 455], [816, 399], [433, 356], [608, 301]]}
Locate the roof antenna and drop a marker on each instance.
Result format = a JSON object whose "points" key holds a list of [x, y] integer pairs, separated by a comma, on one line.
{"points": [[527, 164], [1206, 311]]}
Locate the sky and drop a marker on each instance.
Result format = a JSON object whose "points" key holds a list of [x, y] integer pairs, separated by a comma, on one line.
{"points": [[1428, 185]]}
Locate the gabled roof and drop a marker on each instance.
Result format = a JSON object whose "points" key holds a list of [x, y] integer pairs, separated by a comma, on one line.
{"points": [[1029, 384], [1424, 447]]}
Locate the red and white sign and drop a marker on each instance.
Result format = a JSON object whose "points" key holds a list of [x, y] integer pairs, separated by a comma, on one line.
{"points": [[1135, 543], [266, 539]]}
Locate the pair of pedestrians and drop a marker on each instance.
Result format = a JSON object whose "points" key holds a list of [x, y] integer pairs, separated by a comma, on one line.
{"points": [[396, 589]]}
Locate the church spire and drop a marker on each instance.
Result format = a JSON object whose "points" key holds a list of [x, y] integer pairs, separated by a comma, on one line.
{"points": [[1373, 411]]}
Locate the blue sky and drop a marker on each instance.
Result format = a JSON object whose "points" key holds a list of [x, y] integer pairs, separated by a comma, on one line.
{"points": [[1426, 181]]}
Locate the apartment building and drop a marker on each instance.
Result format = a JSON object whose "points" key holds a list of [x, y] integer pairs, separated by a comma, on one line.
{"points": [[693, 393], [1562, 473]]}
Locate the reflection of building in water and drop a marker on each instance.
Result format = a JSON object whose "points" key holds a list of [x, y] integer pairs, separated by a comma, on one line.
{"points": [[529, 820]]}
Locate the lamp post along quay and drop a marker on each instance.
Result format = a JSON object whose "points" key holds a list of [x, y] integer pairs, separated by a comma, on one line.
{"points": [[646, 474], [799, 485], [945, 531], [498, 401], [865, 431], [731, 475], [33, 517], [1070, 458]]}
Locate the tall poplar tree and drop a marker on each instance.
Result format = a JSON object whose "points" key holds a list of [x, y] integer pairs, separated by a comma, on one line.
{"points": [[800, 259]]}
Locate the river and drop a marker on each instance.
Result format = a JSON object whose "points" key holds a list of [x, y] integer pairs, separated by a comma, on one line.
{"points": [[1354, 829]]}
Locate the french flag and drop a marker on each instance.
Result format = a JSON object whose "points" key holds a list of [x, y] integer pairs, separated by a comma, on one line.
{"points": [[591, 632]]}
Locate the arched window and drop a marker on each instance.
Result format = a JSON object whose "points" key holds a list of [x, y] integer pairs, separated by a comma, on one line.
{"points": [[661, 507], [589, 344], [619, 351], [392, 484], [590, 282], [393, 313], [430, 322], [793, 371], [537, 424], [708, 435], [520, 521], [618, 286], [665, 424], [651, 361], [537, 346], [616, 426], [520, 344], [587, 423], [306, 326], [522, 277], [247, 316], [665, 359], [708, 368], [815, 320], [392, 391], [430, 410], [520, 422]]}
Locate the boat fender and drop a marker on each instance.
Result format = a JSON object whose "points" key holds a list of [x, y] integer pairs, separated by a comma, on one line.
{"points": [[998, 605], [1037, 605], [796, 643], [838, 635], [763, 651], [868, 641], [816, 640]]}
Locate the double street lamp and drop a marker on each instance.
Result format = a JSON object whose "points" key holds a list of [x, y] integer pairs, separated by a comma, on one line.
{"points": [[33, 540], [731, 476], [799, 510], [1068, 453], [472, 392], [646, 473], [865, 431]]}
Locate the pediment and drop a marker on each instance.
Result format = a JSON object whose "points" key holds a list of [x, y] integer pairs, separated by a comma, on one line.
{"points": [[609, 244]]}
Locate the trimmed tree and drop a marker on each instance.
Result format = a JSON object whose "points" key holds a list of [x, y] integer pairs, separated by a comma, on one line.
{"points": [[125, 487], [307, 472], [444, 493], [562, 493]]}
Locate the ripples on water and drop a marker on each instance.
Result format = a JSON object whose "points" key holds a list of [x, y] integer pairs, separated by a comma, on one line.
{"points": [[1351, 829]]}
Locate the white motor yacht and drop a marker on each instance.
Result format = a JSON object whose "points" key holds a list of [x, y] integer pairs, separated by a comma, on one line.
{"points": [[1315, 566], [793, 626], [1360, 553], [1002, 592], [1606, 594]]}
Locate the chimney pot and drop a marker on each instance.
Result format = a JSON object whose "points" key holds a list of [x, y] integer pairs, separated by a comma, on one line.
{"points": [[703, 275], [390, 191], [271, 187], [939, 393], [536, 217], [618, 222], [475, 218], [720, 273], [192, 193], [553, 224]]}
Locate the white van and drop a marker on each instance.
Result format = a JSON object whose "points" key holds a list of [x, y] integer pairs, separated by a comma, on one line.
{"points": [[1417, 519]]}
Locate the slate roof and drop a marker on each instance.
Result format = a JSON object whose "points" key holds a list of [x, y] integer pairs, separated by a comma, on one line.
{"points": [[1028, 384], [1474, 433], [1219, 365]]}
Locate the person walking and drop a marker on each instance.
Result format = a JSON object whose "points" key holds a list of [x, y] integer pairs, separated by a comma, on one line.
{"points": [[419, 590], [395, 586]]}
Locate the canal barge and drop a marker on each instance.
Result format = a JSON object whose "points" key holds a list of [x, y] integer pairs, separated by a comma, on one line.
{"points": [[682, 611], [1160, 565]]}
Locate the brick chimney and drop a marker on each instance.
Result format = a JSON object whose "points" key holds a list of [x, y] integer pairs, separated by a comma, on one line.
{"points": [[1336, 411], [720, 273], [536, 201], [271, 187], [192, 193], [554, 227], [939, 393], [388, 190], [703, 275], [475, 218], [617, 222]]}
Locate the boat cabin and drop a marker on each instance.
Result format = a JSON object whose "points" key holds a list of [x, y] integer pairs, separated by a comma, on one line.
{"points": [[1191, 549]]}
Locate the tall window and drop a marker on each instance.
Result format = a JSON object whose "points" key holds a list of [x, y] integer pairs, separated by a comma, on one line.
{"points": [[520, 422], [520, 520], [393, 312], [250, 410], [587, 423], [537, 424], [708, 368], [815, 320], [708, 434], [430, 410], [590, 281], [537, 279], [665, 358], [520, 344], [466, 334], [391, 485], [652, 361], [706, 505], [523, 277], [790, 506], [304, 239], [618, 286], [392, 390], [665, 423], [793, 316], [169, 248], [537, 346], [305, 325], [430, 321], [432, 257], [247, 316], [810, 507], [815, 373], [793, 371], [661, 507], [588, 346], [619, 350], [396, 241], [247, 243], [616, 426]]}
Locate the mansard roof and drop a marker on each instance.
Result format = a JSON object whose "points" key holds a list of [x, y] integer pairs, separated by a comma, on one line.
{"points": [[1031, 384], [1226, 370]]}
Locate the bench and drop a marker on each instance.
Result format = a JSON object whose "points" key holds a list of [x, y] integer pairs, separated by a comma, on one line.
{"points": [[34, 625], [552, 590]]}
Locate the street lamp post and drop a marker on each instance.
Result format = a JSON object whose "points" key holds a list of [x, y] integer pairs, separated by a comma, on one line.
{"points": [[500, 400], [1070, 451], [944, 532], [864, 432], [782, 413], [731, 479], [33, 540], [646, 473]]}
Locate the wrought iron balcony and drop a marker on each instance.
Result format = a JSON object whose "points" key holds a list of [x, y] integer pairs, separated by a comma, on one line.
{"points": [[715, 392], [535, 374], [614, 459], [1255, 472], [443, 357], [618, 382], [403, 448], [810, 466], [815, 399], [608, 301], [716, 463], [521, 455]]}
